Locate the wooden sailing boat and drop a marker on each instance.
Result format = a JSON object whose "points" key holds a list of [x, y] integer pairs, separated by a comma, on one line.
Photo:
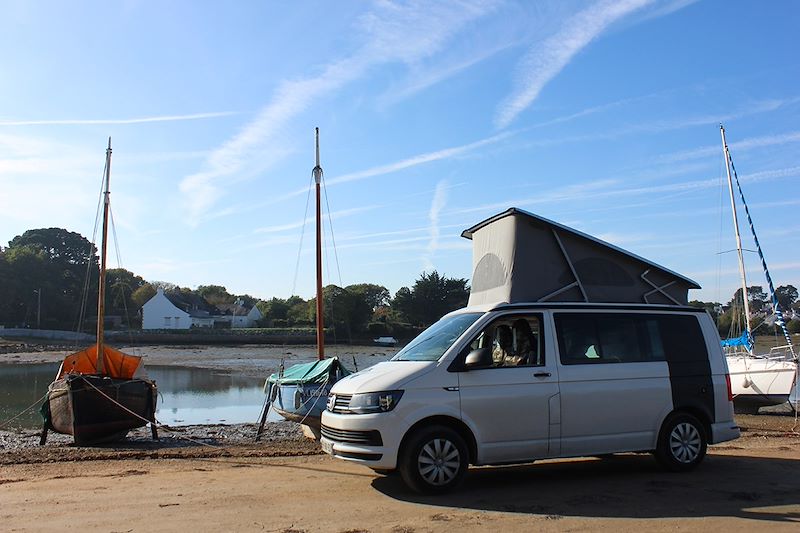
{"points": [[100, 393], [300, 393], [757, 380]]}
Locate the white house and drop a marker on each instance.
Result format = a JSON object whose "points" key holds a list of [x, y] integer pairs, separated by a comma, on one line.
{"points": [[160, 313], [186, 310], [239, 315]]}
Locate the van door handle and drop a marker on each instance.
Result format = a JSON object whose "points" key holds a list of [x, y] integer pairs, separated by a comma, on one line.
{"points": [[542, 375]]}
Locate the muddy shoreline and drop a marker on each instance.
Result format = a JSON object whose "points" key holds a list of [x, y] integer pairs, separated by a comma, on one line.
{"points": [[256, 360], [776, 428]]}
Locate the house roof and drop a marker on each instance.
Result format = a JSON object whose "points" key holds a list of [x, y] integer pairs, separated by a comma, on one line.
{"points": [[191, 303], [234, 309]]}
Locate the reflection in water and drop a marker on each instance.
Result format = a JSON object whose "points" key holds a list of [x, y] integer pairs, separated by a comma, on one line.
{"points": [[186, 395]]}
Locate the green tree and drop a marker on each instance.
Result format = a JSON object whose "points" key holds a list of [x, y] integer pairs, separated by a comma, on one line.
{"points": [[374, 296], [756, 297], [299, 312], [710, 307], [143, 294], [786, 296], [432, 296], [60, 263], [402, 304], [59, 245], [121, 285], [6, 290], [215, 294]]}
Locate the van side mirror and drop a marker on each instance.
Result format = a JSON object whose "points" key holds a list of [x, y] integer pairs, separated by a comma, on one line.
{"points": [[480, 358]]}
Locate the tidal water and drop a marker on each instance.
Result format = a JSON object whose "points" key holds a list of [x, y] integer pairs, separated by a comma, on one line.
{"points": [[186, 395]]}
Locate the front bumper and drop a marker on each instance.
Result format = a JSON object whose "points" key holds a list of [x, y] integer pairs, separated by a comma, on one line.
{"points": [[366, 439]]}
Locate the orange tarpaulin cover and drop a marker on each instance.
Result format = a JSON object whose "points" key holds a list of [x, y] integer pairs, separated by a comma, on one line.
{"points": [[116, 364]]}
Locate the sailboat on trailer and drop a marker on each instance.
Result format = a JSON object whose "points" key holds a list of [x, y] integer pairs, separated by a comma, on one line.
{"points": [[757, 380], [299, 393], [100, 393]]}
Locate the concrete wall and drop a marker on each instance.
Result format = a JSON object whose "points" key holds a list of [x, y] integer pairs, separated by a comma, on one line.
{"points": [[46, 334]]}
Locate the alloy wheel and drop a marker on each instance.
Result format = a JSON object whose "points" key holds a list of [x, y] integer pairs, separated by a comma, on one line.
{"points": [[685, 442], [439, 462]]}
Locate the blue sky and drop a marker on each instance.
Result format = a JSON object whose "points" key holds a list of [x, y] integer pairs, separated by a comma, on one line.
{"points": [[433, 115]]}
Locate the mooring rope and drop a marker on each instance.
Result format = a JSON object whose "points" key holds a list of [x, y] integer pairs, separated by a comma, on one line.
{"points": [[34, 404], [154, 421]]}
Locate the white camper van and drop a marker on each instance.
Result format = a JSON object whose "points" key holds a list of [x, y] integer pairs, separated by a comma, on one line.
{"points": [[577, 369]]}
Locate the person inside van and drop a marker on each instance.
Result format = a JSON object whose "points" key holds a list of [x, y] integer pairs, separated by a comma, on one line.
{"points": [[503, 345], [525, 352]]}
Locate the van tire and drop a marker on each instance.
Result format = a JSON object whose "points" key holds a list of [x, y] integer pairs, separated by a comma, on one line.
{"points": [[434, 460], [682, 443]]}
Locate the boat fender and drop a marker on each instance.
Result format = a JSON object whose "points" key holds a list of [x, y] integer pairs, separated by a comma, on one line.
{"points": [[298, 398], [747, 382]]}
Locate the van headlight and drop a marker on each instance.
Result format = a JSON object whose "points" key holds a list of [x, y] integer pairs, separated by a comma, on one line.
{"points": [[375, 402]]}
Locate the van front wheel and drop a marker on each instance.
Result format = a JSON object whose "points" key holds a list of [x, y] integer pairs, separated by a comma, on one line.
{"points": [[434, 460], [682, 443]]}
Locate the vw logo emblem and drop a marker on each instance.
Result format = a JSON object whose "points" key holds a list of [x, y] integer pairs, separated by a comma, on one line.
{"points": [[331, 402]]}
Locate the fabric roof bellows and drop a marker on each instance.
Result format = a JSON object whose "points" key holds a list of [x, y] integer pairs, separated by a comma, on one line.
{"points": [[518, 256]]}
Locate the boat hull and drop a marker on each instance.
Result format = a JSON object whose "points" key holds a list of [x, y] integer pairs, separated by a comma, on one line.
{"points": [[760, 381], [301, 403], [96, 409]]}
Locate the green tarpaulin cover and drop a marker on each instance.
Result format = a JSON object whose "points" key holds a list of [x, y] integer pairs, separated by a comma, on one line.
{"points": [[314, 372]]}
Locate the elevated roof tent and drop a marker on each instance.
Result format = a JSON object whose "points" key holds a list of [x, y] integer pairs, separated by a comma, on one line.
{"points": [[521, 257]]}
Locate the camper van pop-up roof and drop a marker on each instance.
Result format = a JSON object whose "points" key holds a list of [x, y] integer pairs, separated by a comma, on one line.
{"points": [[521, 257]]}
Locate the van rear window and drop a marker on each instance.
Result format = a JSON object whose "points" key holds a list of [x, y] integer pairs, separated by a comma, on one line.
{"points": [[591, 338]]}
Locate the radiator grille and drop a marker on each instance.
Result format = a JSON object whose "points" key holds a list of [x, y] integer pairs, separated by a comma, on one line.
{"points": [[367, 438], [341, 403]]}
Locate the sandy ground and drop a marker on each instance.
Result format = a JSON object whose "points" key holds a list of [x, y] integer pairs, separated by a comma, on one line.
{"points": [[215, 478], [737, 488]]}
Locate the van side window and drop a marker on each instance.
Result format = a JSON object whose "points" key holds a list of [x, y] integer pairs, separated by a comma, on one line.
{"points": [[515, 340], [588, 338]]}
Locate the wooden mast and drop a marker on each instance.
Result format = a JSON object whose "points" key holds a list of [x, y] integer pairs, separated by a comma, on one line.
{"points": [[742, 274], [101, 293], [317, 174]]}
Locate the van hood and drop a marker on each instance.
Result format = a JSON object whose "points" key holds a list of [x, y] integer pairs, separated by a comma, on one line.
{"points": [[389, 375]]}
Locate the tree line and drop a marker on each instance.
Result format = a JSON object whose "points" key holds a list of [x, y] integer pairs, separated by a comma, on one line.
{"points": [[730, 317], [49, 280], [49, 277]]}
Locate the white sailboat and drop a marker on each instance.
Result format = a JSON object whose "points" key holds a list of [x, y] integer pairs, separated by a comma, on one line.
{"points": [[757, 380]]}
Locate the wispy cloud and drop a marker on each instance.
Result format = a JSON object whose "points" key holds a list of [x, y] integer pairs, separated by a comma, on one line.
{"points": [[105, 121], [420, 159], [744, 145], [424, 78], [605, 189], [546, 59], [439, 200], [300, 223], [667, 8], [391, 32]]}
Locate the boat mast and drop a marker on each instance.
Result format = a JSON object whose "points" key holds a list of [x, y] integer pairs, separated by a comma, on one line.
{"points": [[317, 173], [101, 293], [736, 230]]}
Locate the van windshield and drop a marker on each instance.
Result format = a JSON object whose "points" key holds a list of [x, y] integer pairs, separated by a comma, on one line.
{"points": [[431, 344]]}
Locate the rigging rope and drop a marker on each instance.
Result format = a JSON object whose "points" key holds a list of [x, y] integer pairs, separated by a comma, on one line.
{"points": [[34, 404], [87, 277], [154, 421], [775, 304], [122, 287]]}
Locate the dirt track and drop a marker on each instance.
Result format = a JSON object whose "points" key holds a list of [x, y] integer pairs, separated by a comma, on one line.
{"points": [[215, 478], [753, 482]]}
